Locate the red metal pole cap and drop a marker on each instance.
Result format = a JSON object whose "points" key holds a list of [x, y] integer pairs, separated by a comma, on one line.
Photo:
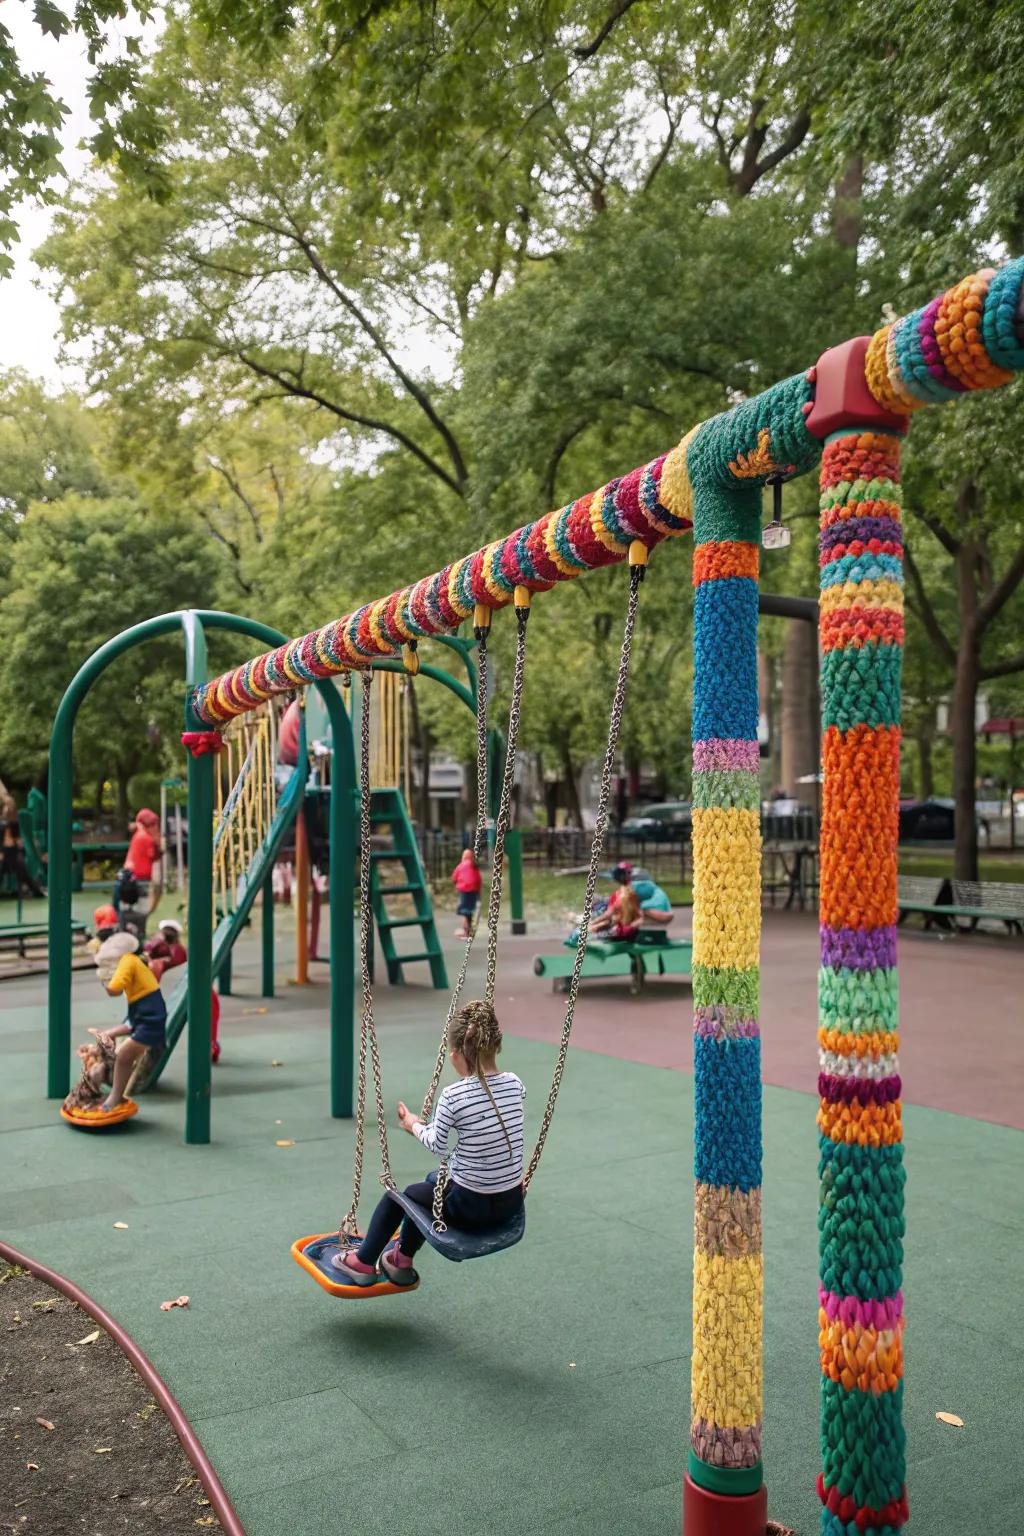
{"points": [[841, 395], [719, 1514]]}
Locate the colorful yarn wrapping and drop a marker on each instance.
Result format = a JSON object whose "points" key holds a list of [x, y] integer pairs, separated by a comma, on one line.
{"points": [[860, 1319], [970, 337], [202, 743], [727, 463], [593, 531]]}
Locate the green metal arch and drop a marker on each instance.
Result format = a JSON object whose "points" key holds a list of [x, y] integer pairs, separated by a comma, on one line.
{"points": [[193, 624]]}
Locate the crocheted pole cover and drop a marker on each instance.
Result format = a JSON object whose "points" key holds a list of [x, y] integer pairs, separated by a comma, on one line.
{"points": [[970, 338], [728, 461], [859, 1119], [595, 530]]}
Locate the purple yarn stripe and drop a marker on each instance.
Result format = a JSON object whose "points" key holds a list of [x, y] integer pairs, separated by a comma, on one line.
{"points": [[859, 949], [931, 351], [886, 1312], [863, 528], [714, 1020], [717, 754], [866, 1090]]}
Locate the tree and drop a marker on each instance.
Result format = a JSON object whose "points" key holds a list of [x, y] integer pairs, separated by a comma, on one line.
{"points": [[82, 570]]}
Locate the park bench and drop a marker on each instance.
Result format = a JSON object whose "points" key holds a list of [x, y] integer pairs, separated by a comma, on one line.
{"points": [[942, 902], [21, 935], [651, 953]]}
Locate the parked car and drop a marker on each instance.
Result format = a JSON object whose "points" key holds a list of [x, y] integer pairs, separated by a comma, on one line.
{"points": [[666, 823], [926, 821]]}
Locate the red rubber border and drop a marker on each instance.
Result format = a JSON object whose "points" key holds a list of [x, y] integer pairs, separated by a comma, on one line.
{"points": [[219, 1501]]}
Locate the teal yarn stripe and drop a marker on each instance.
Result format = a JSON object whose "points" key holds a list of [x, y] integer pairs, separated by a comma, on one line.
{"points": [[731, 788], [863, 1447], [740, 989], [736, 1481], [862, 686], [860, 1219], [859, 1002]]}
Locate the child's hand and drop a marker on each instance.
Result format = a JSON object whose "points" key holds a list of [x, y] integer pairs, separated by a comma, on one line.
{"points": [[406, 1118]]}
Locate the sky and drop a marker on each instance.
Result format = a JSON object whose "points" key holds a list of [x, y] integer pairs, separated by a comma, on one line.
{"points": [[29, 318]]}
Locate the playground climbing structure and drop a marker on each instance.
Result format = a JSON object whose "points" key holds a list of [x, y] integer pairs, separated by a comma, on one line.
{"points": [[849, 411]]}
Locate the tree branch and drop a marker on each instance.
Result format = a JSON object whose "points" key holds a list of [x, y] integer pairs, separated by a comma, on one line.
{"points": [[355, 417], [555, 458], [414, 390], [588, 50], [1003, 590], [926, 613], [937, 530], [1002, 668], [236, 487]]}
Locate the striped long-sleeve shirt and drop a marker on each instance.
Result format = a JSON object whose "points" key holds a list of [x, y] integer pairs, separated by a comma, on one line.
{"points": [[482, 1160]]}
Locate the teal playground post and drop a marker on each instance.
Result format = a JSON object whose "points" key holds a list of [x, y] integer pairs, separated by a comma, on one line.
{"points": [[193, 623], [267, 936]]}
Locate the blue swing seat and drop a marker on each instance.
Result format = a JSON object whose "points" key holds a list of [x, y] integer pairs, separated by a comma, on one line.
{"points": [[456, 1244]]}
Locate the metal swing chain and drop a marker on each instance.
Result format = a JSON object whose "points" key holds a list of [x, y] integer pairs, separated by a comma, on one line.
{"points": [[504, 805], [497, 867], [636, 573], [368, 1033], [479, 846]]}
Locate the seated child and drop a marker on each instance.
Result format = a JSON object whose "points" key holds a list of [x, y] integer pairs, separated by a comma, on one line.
{"points": [[621, 918], [97, 1058], [145, 1025], [166, 950], [485, 1110]]}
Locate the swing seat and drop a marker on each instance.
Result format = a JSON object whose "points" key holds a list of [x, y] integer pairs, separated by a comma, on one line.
{"points": [[96, 1120], [457, 1245], [314, 1254]]}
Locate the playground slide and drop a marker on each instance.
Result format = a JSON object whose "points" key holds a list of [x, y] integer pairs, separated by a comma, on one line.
{"points": [[230, 927]]}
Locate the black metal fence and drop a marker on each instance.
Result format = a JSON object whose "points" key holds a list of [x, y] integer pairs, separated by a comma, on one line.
{"points": [[790, 868]]}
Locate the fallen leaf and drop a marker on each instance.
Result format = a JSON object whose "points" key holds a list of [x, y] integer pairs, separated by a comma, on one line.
{"points": [[284, 1143], [179, 1301], [90, 1338], [950, 1418], [120, 1226], [104, 1450], [277, 1063], [246, 1012], [44, 1306], [31, 1466], [207, 1520], [45, 1423]]}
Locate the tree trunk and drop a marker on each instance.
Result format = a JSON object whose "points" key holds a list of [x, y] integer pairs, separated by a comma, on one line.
{"points": [[122, 813], [801, 710], [961, 717], [847, 208], [926, 768], [572, 791], [98, 802]]}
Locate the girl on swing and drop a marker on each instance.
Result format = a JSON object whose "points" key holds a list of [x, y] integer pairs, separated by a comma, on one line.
{"points": [[485, 1110]]}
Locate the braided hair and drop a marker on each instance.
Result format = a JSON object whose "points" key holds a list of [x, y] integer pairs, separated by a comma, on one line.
{"points": [[476, 1033]]}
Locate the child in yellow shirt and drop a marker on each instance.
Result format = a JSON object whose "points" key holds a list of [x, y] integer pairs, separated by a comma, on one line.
{"points": [[145, 1025]]}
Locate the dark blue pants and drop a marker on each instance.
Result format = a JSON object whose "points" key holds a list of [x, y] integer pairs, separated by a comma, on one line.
{"points": [[463, 1208]]}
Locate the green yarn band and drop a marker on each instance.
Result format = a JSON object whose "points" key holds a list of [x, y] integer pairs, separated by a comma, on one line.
{"points": [[859, 1002], [730, 1480], [733, 788], [861, 687], [740, 988]]}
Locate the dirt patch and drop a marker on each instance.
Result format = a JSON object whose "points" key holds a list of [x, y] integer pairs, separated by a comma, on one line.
{"points": [[84, 1449]]}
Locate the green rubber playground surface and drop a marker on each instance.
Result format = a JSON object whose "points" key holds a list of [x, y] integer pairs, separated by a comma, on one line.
{"points": [[542, 1392]]}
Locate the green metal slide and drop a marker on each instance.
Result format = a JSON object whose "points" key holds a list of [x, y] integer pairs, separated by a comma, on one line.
{"points": [[230, 926]]}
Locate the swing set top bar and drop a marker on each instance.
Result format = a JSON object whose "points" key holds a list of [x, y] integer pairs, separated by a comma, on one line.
{"points": [[970, 337]]}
